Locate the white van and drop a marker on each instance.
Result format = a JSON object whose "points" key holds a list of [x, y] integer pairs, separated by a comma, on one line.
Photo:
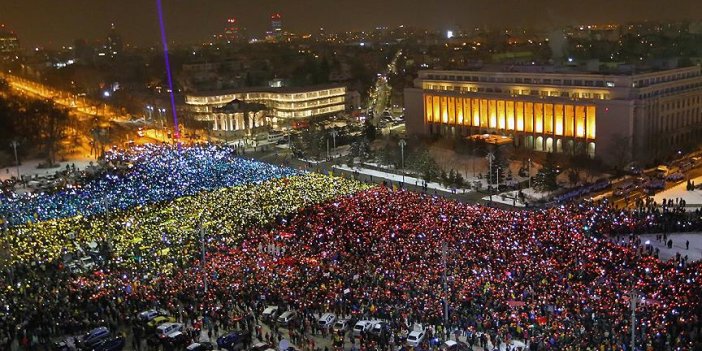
{"points": [[326, 320], [270, 313], [286, 317], [275, 136], [362, 326]]}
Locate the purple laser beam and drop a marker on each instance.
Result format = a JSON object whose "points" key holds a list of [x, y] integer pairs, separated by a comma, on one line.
{"points": [[159, 7]]}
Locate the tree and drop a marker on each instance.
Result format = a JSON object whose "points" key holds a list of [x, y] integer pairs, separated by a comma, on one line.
{"points": [[369, 131], [458, 180], [423, 163], [350, 160], [499, 166], [573, 176], [546, 178], [360, 149], [621, 152]]}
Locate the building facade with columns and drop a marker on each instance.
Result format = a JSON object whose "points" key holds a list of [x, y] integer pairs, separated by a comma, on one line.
{"points": [[275, 105], [641, 117]]}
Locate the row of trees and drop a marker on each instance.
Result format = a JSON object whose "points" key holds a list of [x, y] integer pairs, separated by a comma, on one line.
{"points": [[39, 125]]}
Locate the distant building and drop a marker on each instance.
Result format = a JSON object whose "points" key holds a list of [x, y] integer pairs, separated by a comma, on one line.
{"points": [[113, 44], [231, 31], [9, 45], [277, 24], [281, 104], [276, 32], [641, 117]]}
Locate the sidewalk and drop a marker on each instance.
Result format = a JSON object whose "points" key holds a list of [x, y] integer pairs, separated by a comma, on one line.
{"points": [[397, 178], [30, 168]]}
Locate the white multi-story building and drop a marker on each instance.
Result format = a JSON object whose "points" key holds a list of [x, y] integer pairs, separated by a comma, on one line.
{"points": [[281, 103], [643, 116]]}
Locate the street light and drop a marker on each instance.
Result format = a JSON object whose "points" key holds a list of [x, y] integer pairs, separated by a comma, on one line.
{"points": [[204, 249], [491, 158], [402, 144], [150, 109], [334, 133], [14, 144]]}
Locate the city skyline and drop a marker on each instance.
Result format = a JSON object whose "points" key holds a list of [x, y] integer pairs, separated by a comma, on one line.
{"points": [[36, 22]]}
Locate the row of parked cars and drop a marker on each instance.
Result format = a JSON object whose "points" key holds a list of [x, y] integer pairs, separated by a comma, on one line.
{"points": [[98, 339], [173, 334], [273, 314], [374, 328], [168, 332]]}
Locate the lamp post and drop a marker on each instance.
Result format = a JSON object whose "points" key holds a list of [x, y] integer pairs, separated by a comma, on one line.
{"points": [[491, 158], [204, 249], [161, 112], [402, 145], [529, 171], [334, 133], [14, 144], [150, 110], [444, 249], [634, 299]]}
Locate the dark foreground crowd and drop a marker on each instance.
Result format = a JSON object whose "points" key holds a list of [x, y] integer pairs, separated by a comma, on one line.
{"points": [[556, 279]]}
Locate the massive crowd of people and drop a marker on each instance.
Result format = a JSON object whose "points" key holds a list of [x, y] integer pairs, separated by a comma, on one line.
{"points": [[314, 243], [158, 173]]}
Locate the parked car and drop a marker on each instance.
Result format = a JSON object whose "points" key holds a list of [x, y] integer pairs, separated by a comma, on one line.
{"points": [[326, 321], [675, 177], [165, 329], [111, 344], [450, 345], [158, 320], [342, 325], [270, 313], [200, 346], [415, 338], [625, 189], [176, 339], [287, 317], [380, 328], [148, 315], [260, 346], [362, 326], [233, 340], [94, 337]]}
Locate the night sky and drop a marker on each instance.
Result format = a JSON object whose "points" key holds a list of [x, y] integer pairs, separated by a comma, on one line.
{"points": [[59, 22]]}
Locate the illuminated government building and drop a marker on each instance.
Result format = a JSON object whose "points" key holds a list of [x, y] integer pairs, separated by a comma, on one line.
{"points": [[645, 115], [241, 110]]}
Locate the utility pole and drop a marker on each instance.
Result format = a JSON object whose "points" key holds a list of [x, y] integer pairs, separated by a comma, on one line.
{"points": [[327, 148], [334, 133], [204, 249], [402, 144], [634, 298], [444, 249], [14, 144], [498, 179], [529, 171], [490, 157]]}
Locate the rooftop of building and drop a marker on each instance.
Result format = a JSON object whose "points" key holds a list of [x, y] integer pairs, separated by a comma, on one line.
{"points": [[267, 89], [592, 69]]}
